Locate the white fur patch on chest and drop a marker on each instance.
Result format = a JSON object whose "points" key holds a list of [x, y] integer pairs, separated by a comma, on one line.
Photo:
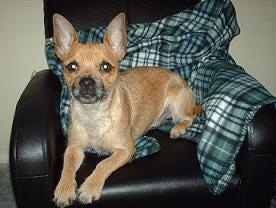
{"points": [[92, 122]]}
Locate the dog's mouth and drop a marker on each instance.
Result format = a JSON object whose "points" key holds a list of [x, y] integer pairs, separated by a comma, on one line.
{"points": [[88, 90]]}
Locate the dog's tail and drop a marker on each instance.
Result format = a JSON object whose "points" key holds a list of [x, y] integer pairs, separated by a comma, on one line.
{"points": [[197, 109]]}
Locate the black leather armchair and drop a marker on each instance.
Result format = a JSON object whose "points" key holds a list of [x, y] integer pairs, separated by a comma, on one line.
{"points": [[163, 179]]}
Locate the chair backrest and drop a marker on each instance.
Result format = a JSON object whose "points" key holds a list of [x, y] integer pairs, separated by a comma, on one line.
{"points": [[88, 13]]}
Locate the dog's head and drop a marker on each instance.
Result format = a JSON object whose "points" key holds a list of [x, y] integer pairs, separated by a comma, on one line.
{"points": [[90, 69]]}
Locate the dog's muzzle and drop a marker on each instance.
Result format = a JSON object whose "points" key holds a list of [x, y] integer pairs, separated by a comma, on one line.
{"points": [[88, 90]]}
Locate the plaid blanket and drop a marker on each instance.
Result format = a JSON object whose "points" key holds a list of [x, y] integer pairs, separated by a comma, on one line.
{"points": [[193, 43]]}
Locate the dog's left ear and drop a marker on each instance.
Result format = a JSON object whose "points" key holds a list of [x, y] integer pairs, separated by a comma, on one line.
{"points": [[115, 36]]}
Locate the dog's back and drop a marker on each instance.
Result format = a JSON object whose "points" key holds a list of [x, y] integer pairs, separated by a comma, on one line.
{"points": [[155, 94]]}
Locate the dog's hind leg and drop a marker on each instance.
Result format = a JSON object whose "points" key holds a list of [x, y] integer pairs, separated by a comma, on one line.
{"points": [[180, 128], [182, 112]]}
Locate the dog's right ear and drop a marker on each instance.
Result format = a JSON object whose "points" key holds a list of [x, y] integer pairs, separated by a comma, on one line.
{"points": [[64, 34]]}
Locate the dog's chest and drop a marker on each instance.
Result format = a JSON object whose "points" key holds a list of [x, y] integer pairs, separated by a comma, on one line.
{"points": [[91, 122]]}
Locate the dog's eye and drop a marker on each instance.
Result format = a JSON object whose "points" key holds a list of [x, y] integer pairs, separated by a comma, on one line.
{"points": [[73, 66], [105, 66]]}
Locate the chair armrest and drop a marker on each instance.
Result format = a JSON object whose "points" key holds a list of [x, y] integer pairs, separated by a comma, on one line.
{"points": [[256, 161], [35, 139]]}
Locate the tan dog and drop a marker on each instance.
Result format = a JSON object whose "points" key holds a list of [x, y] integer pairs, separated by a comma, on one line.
{"points": [[110, 109]]}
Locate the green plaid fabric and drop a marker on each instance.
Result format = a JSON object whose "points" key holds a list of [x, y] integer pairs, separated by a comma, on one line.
{"points": [[193, 43]]}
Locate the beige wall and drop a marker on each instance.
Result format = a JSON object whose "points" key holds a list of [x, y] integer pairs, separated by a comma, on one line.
{"points": [[255, 47], [22, 50]]}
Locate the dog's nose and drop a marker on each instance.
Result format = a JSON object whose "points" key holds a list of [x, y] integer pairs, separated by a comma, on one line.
{"points": [[87, 82]]}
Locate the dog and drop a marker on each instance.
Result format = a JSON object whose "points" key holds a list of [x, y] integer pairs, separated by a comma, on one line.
{"points": [[110, 109]]}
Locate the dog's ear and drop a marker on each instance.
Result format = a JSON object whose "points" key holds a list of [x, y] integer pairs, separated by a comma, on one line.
{"points": [[64, 34], [115, 36]]}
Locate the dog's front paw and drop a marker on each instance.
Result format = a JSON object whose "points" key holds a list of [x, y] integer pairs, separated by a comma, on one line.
{"points": [[89, 191], [65, 194]]}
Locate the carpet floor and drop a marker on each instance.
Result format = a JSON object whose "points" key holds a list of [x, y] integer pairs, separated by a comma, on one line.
{"points": [[6, 193]]}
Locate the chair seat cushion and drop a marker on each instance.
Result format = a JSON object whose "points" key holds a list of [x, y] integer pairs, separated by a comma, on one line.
{"points": [[171, 177]]}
